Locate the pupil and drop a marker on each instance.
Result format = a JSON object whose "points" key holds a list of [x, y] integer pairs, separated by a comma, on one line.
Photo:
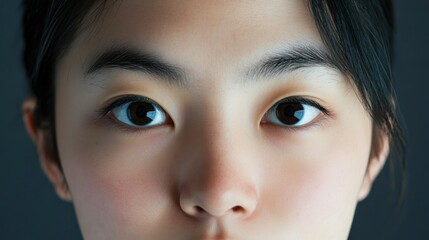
{"points": [[289, 113], [138, 112]]}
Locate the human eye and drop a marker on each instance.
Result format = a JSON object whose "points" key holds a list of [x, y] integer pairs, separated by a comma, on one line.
{"points": [[135, 112], [294, 112]]}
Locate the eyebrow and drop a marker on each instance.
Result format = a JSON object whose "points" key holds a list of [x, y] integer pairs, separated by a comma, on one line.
{"points": [[137, 60], [292, 59], [282, 62]]}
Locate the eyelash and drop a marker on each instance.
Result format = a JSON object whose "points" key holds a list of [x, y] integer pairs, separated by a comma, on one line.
{"points": [[326, 112], [307, 101], [121, 100], [104, 112]]}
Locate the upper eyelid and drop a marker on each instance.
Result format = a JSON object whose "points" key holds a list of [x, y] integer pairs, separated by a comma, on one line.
{"points": [[323, 114], [107, 116], [121, 100], [304, 100]]}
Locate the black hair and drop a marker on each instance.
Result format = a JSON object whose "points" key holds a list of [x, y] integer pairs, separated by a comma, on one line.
{"points": [[357, 33], [359, 36], [49, 29]]}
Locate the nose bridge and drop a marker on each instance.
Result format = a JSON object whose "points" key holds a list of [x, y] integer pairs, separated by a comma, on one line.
{"points": [[216, 126], [218, 179]]}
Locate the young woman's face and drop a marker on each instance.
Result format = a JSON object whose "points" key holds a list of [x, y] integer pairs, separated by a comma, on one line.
{"points": [[209, 120]]}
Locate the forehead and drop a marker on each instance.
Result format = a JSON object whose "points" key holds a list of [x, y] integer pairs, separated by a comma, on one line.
{"points": [[215, 33]]}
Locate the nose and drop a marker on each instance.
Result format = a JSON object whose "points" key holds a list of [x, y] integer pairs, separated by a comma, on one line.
{"points": [[219, 181], [218, 191]]}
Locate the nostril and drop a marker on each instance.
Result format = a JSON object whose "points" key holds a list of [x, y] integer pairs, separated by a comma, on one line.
{"points": [[199, 209], [201, 212], [218, 199], [238, 209]]}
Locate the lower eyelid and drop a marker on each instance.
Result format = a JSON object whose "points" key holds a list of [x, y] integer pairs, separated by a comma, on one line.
{"points": [[105, 117], [317, 121], [111, 122], [312, 125]]}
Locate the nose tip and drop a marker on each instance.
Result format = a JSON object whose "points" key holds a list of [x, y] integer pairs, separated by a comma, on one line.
{"points": [[218, 200]]}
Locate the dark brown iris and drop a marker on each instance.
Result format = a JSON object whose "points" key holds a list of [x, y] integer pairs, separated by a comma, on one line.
{"points": [[290, 113], [138, 112]]}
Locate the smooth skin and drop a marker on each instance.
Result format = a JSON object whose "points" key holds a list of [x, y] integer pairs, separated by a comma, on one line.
{"points": [[217, 168]]}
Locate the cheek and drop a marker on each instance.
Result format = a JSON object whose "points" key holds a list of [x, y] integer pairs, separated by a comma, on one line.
{"points": [[120, 197], [317, 178], [116, 182]]}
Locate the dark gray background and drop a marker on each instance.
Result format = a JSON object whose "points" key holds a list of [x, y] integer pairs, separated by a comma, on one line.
{"points": [[29, 208]]}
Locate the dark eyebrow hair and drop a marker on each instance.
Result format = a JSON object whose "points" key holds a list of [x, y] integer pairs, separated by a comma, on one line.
{"points": [[137, 60], [292, 59], [282, 62]]}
